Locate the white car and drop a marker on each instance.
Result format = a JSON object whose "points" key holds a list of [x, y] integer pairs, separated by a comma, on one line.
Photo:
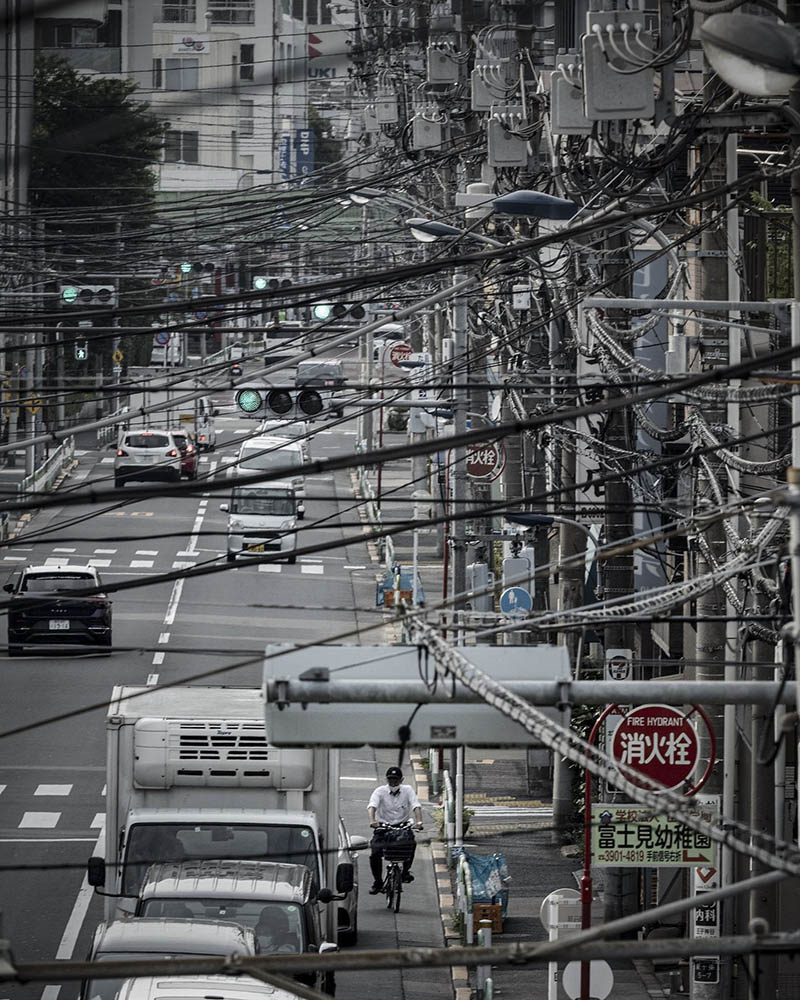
{"points": [[147, 454], [262, 519], [200, 987], [265, 453]]}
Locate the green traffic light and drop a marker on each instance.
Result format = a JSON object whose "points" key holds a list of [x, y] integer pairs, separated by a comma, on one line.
{"points": [[323, 310], [69, 293], [248, 400], [259, 282], [186, 267]]}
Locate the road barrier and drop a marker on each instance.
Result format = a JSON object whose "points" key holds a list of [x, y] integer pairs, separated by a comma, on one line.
{"points": [[41, 479], [385, 545], [105, 435], [448, 811], [464, 898]]}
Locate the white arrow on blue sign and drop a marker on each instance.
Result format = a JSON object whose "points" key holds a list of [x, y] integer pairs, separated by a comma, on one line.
{"points": [[516, 602]]}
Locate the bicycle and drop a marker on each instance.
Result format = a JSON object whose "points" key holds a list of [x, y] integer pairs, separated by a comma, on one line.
{"points": [[398, 848]]}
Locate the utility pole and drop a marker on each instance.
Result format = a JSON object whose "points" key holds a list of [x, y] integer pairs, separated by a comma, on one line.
{"points": [[458, 472]]}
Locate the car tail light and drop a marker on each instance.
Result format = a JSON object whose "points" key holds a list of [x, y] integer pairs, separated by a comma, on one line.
{"points": [[189, 449], [121, 452], [202, 437], [172, 453]]}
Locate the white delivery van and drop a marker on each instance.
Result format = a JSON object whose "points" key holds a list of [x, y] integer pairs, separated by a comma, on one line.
{"points": [[266, 453], [262, 519]]}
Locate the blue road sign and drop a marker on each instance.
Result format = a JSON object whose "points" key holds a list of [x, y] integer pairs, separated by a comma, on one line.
{"points": [[515, 602]]}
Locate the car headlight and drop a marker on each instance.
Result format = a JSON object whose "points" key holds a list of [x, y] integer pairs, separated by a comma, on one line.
{"points": [[236, 525], [287, 526]]}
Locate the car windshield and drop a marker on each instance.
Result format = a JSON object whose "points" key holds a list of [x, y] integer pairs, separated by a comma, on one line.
{"points": [[50, 583], [269, 458], [180, 441], [278, 926], [328, 370], [146, 441], [276, 502], [149, 843]]}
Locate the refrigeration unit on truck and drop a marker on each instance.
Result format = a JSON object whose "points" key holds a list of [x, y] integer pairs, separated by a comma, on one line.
{"points": [[190, 776]]}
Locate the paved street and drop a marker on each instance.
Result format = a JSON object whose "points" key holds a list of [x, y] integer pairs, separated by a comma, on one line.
{"points": [[52, 777]]}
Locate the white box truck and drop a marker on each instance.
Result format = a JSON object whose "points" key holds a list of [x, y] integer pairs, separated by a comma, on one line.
{"points": [[190, 775]]}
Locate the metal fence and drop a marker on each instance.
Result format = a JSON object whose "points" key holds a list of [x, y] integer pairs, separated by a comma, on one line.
{"points": [[105, 435], [41, 479]]}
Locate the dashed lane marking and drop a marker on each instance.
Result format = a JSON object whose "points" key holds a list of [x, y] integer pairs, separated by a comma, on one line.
{"points": [[163, 637], [53, 789], [152, 680], [39, 820], [269, 568], [99, 563], [66, 550], [312, 569], [147, 552], [179, 564], [141, 564], [97, 552], [158, 659]]}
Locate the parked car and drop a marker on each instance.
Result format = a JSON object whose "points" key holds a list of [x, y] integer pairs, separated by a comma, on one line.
{"points": [[276, 900], [147, 454], [262, 519], [45, 608], [189, 456], [146, 938]]}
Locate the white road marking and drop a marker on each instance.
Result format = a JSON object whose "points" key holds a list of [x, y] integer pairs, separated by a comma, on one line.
{"points": [[76, 918], [174, 601], [68, 550], [99, 563], [106, 461], [3, 788], [47, 840], [312, 569], [51, 992], [269, 568], [203, 503], [152, 680], [141, 563], [147, 552], [15, 559], [354, 567], [98, 822], [38, 820], [352, 777], [158, 659], [164, 637], [97, 552], [179, 564], [188, 552], [103, 792], [55, 562], [53, 789]]}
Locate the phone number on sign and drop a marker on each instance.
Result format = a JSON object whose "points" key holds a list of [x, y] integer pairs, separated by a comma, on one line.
{"points": [[619, 855]]}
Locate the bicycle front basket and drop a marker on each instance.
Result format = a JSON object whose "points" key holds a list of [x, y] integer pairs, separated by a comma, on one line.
{"points": [[399, 846]]}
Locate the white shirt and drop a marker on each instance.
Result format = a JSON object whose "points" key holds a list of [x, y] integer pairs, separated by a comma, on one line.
{"points": [[391, 808]]}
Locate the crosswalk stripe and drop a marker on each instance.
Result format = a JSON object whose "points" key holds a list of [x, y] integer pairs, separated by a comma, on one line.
{"points": [[39, 820], [53, 789]]}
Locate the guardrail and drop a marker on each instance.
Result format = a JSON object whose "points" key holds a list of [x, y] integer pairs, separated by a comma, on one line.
{"points": [[484, 984], [464, 898], [386, 545], [41, 479], [105, 435], [448, 811]]}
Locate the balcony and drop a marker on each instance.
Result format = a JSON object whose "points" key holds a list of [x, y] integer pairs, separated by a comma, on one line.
{"points": [[97, 58], [177, 13], [232, 11]]}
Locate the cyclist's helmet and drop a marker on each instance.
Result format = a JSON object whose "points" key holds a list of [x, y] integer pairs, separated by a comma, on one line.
{"points": [[394, 772]]}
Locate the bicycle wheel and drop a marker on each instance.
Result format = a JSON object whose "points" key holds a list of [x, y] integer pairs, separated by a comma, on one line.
{"points": [[398, 888], [389, 886]]}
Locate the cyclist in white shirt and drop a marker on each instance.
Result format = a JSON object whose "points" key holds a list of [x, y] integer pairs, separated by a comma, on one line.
{"points": [[393, 802]]}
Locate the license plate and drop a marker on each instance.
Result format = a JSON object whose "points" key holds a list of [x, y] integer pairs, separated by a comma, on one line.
{"points": [[255, 548], [57, 625]]}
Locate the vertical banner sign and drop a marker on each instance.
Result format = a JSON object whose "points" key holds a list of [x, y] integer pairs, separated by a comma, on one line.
{"points": [[285, 157], [304, 151], [706, 919]]}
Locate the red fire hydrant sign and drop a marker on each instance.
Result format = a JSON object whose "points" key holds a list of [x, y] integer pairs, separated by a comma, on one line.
{"points": [[657, 742]]}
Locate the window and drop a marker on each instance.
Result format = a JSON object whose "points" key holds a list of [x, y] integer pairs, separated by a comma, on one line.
{"points": [[232, 11], [246, 119], [178, 12], [246, 60], [158, 75], [181, 147], [297, 10], [181, 74]]}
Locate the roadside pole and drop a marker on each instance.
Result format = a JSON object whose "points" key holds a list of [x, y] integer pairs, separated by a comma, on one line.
{"points": [[459, 471]]}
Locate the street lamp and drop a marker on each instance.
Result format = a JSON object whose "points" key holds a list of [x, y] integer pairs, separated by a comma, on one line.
{"points": [[752, 54]]}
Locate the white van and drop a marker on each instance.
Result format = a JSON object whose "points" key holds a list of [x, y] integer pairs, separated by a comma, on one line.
{"points": [[200, 987], [266, 453], [262, 519]]}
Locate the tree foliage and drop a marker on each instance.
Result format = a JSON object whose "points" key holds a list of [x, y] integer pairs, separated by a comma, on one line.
{"points": [[93, 146]]}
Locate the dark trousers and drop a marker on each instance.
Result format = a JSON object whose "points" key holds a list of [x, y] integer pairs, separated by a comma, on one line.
{"points": [[378, 846]]}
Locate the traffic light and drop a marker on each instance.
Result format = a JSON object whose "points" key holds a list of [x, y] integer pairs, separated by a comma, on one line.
{"points": [[87, 295], [82, 351], [199, 268], [337, 310], [260, 401], [270, 282]]}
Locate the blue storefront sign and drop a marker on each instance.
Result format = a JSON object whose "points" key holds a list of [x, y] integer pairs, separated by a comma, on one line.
{"points": [[285, 157], [304, 151]]}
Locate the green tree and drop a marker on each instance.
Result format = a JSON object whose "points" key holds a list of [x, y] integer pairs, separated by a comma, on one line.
{"points": [[327, 150], [92, 152]]}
